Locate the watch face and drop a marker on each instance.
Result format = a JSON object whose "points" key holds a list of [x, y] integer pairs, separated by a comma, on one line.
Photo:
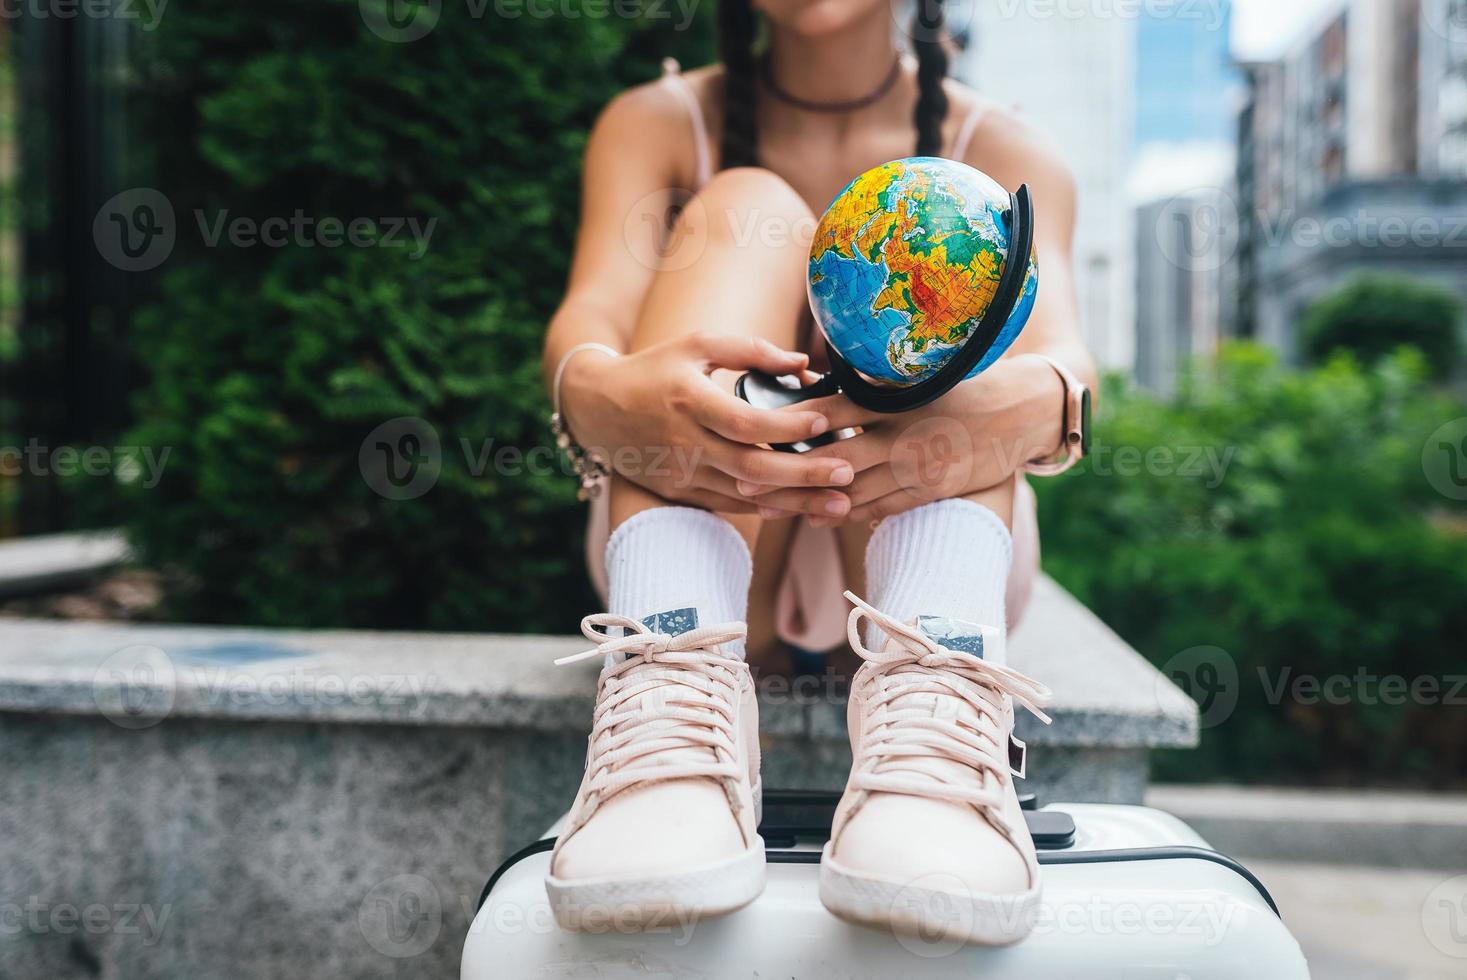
{"points": [[1085, 422]]}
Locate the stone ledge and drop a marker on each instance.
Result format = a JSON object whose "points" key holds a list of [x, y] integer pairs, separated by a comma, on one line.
{"points": [[1381, 828], [54, 561], [1106, 695]]}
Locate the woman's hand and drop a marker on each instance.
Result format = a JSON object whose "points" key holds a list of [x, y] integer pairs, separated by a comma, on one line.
{"points": [[974, 437], [659, 419]]}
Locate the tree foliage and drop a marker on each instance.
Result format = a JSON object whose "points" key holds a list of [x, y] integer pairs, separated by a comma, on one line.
{"points": [[1374, 314], [269, 366], [1286, 519]]}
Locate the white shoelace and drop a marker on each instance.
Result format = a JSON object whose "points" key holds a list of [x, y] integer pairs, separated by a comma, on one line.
{"points": [[665, 711], [903, 737]]}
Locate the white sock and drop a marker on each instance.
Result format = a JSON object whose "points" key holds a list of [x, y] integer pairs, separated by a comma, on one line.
{"points": [[949, 558], [667, 560]]}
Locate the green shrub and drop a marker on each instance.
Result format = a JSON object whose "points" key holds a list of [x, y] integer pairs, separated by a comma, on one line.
{"points": [[1312, 544], [1374, 314], [269, 366]]}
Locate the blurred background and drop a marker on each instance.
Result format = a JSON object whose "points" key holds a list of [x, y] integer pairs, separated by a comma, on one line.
{"points": [[241, 244]]}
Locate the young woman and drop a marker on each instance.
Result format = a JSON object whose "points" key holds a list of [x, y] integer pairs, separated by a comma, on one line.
{"points": [[722, 552]]}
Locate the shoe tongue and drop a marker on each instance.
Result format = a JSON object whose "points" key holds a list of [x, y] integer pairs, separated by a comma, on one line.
{"points": [[955, 634], [672, 622], [961, 637]]}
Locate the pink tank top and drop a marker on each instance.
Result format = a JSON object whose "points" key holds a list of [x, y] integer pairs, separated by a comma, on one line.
{"points": [[672, 77]]}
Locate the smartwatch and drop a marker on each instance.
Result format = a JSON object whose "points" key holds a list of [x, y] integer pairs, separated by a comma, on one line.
{"points": [[1075, 430]]}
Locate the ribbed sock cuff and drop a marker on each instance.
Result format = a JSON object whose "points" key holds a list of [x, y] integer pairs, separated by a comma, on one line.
{"points": [[671, 558], [947, 558]]}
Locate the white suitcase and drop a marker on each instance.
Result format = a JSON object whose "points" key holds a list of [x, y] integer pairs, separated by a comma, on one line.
{"points": [[1129, 892]]}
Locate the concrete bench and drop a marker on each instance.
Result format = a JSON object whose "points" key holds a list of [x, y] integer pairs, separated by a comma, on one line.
{"points": [[57, 561], [330, 803]]}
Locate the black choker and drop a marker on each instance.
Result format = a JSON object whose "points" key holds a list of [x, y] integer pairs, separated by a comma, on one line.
{"points": [[850, 106]]}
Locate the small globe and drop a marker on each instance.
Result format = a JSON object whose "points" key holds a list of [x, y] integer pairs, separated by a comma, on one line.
{"points": [[904, 264]]}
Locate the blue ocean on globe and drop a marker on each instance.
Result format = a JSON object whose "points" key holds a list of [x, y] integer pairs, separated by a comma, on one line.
{"points": [[904, 264]]}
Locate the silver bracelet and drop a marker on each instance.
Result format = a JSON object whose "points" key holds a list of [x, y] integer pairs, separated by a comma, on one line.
{"points": [[589, 469]]}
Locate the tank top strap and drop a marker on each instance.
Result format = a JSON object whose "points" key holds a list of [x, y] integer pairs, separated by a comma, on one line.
{"points": [[967, 129], [672, 76]]}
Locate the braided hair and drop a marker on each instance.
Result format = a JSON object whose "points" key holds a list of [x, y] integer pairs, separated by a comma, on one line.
{"points": [[738, 28]]}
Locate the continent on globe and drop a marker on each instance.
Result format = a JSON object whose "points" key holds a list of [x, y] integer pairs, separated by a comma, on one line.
{"points": [[905, 263]]}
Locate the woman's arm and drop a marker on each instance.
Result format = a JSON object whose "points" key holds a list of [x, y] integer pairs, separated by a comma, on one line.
{"points": [[658, 399], [631, 165], [991, 425]]}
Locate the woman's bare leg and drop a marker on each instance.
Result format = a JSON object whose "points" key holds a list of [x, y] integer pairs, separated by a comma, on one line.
{"points": [[749, 279]]}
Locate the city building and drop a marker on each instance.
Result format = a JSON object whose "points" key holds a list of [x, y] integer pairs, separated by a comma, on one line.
{"points": [[1185, 223], [1072, 73], [1184, 281], [1352, 154]]}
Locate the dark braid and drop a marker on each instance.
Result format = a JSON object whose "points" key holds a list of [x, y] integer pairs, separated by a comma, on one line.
{"points": [[737, 27], [931, 70]]}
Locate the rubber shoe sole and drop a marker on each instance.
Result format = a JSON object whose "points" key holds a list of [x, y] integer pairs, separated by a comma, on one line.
{"points": [[933, 908], [624, 904]]}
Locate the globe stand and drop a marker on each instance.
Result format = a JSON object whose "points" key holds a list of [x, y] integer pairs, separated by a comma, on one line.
{"points": [[765, 391]]}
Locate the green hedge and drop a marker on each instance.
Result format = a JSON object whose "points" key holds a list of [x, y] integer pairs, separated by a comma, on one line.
{"points": [[1374, 313], [1270, 525], [269, 366]]}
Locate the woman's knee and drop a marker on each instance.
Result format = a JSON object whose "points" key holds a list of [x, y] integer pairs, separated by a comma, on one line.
{"points": [[748, 206]]}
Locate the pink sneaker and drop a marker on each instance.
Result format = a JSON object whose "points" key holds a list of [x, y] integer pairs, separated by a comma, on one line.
{"points": [[929, 838], [663, 828]]}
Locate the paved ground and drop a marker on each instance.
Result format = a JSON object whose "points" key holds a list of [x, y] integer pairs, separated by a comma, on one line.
{"points": [[1373, 923]]}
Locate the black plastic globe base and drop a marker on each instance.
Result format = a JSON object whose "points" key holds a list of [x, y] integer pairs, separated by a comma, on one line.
{"points": [[764, 391]]}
